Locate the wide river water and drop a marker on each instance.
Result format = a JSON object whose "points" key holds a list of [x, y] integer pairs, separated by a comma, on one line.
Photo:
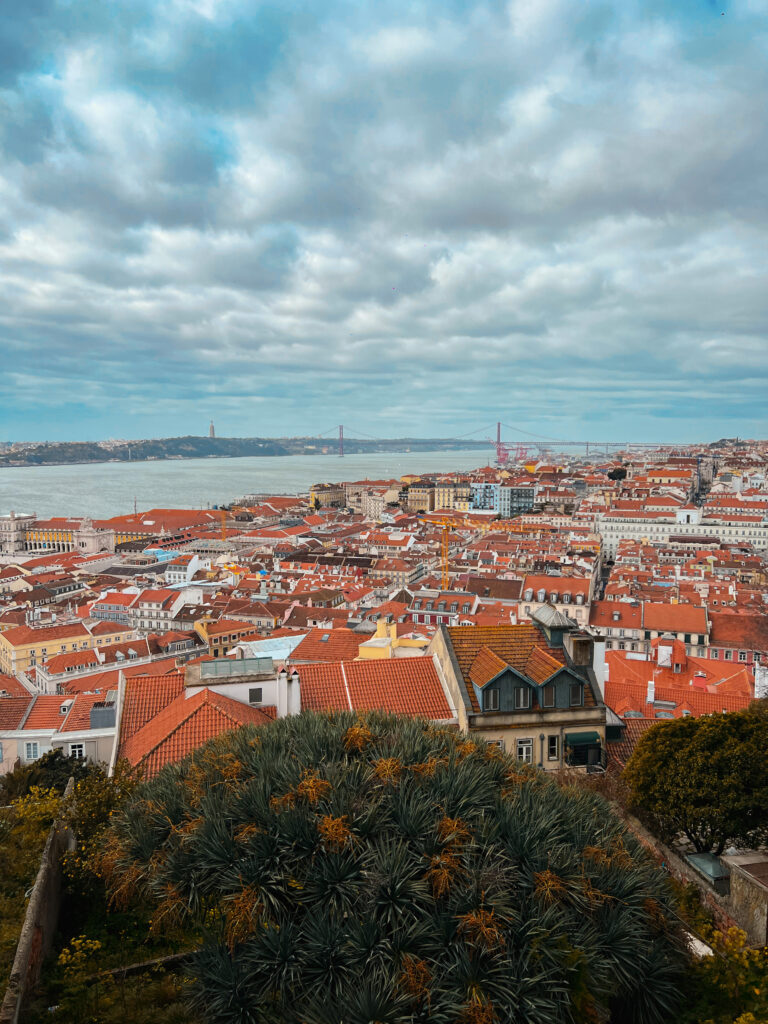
{"points": [[110, 488]]}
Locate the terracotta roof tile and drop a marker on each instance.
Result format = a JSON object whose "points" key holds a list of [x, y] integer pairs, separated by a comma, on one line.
{"points": [[620, 751], [486, 666], [13, 687], [406, 686], [512, 644], [45, 713], [320, 644], [145, 697], [12, 710], [184, 725], [79, 716], [541, 665]]}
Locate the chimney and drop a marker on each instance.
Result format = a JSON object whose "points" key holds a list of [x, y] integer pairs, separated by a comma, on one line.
{"points": [[651, 692], [294, 694], [761, 681], [282, 694]]}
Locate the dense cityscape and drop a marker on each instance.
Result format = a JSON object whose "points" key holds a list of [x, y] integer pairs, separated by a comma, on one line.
{"points": [[556, 609], [319, 702]]}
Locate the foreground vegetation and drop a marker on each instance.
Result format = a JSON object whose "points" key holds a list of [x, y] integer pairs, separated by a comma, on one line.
{"points": [[344, 869], [385, 870], [704, 780]]}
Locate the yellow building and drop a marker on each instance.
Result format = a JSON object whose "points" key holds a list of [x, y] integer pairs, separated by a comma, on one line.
{"points": [[449, 494], [25, 647], [387, 644], [327, 496]]}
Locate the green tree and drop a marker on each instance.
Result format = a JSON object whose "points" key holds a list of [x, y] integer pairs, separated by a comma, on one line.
{"points": [[381, 869], [704, 779], [51, 771]]}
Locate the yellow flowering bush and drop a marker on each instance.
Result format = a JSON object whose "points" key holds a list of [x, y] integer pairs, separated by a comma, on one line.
{"points": [[731, 986]]}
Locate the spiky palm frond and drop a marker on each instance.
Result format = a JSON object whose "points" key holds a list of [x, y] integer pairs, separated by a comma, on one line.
{"points": [[359, 868]]}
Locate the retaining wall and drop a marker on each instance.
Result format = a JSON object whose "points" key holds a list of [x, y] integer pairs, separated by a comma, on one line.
{"points": [[40, 921]]}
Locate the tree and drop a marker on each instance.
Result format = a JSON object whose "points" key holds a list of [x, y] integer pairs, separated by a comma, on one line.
{"points": [[373, 868], [51, 771], [729, 987], [704, 779], [619, 473]]}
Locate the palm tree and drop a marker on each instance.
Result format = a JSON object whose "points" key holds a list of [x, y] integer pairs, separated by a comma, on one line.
{"points": [[353, 869]]}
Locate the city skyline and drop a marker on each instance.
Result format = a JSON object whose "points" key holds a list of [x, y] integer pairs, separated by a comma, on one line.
{"points": [[395, 218]]}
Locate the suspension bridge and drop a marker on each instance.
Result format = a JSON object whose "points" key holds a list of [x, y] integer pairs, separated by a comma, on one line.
{"points": [[516, 446]]}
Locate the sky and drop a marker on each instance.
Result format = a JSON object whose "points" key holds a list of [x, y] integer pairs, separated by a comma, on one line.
{"points": [[411, 218]]}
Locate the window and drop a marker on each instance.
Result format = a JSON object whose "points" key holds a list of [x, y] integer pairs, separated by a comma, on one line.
{"points": [[577, 694], [525, 751], [31, 751], [522, 697], [548, 695], [728, 655], [255, 695], [491, 700], [622, 645], [77, 750], [742, 655], [553, 748]]}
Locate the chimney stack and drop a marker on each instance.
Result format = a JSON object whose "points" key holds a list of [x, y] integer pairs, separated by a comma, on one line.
{"points": [[651, 692], [294, 694], [282, 694]]}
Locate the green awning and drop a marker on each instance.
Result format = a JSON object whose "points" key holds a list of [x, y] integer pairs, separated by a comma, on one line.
{"points": [[581, 739]]}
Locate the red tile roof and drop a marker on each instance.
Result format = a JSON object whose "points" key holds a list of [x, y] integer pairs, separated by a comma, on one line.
{"points": [[184, 725], [78, 659], [406, 686], [620, 751], [512, 644], [486, 666], [12, 710], [740, 630], [675, 618], [23, 635], [45, 713], [145, 697], [13, 687], [320, 644], [79, 716]]}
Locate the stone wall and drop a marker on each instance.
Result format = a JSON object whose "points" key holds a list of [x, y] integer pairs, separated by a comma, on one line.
{"points": [[749, 899], [40, 922]]}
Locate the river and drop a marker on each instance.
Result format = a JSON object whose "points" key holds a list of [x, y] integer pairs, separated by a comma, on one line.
{"points": [[109, 489]]}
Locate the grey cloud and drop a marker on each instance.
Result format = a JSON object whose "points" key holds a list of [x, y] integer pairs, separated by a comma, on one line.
{"points": [[409, 212]]}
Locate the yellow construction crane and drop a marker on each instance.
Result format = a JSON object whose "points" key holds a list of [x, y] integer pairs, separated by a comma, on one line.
{"points": [[446, 526]]}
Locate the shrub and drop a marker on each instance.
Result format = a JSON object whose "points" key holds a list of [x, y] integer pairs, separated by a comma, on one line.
{"points": [[381, 869]]}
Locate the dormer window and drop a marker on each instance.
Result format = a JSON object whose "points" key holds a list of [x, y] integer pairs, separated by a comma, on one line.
{"points": [[491, 701], [522, 698], [541, 595]]}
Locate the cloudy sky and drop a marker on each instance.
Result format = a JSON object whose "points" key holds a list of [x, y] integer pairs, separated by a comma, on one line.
{"points": [[412, 218]]}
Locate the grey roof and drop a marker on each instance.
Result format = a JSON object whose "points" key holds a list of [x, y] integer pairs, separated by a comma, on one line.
{"points": [[551, 618]]}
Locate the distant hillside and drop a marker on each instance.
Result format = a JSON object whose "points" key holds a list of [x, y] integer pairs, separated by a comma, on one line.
{"points": [[76, 452]]}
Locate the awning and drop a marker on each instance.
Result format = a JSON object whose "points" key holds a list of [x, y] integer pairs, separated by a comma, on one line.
{"points": [[581, 739]]}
